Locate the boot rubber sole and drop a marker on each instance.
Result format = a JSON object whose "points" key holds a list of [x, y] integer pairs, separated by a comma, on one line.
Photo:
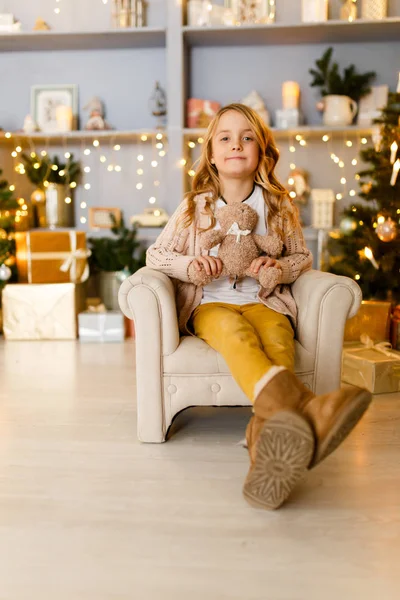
{"points": [[345, 422], [283, 453]]}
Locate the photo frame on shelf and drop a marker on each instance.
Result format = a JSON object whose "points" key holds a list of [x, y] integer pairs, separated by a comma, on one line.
{"points": [[54, 108], [99, 217]]}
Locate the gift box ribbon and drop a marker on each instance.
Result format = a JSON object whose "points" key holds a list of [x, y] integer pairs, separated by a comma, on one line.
{"points": [[69, 258], [382, 347]]}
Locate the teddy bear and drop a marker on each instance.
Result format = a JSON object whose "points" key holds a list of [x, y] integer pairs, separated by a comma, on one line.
{"points": [[239, 246]]}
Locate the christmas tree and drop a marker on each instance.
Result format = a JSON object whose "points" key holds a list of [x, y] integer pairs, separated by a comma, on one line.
{"points": [[367, 246], [8, 207]]}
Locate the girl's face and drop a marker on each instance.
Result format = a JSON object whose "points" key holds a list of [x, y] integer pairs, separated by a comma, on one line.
{"points": [[235, 151]]}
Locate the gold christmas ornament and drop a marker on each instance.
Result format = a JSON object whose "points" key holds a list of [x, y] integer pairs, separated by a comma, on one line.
{"points": [[366, 187], [387, 230]]}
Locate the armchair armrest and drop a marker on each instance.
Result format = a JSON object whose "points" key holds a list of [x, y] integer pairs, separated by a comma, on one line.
{"points": [[324, 303], [148, 297]]}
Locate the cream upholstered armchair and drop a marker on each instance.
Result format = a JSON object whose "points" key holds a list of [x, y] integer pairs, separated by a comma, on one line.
{"points": [[174, 372]]}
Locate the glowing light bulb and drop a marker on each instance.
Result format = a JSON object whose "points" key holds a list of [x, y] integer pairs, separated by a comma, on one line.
{"points": [[182, 162], [144, 138], [159, 136], [161, 153], [293, 194], [343, 180], [11, 188], [341, 164], [191, 144], [118, 168], [325, 138], [83, 205], [364, 140], [139, 171], [292, 149], [354, 162], [159, 146], [349, 143], [299, 137], [103, 158], [96, 143], [154, 163], [352, 193], [152, 200], [292, 166], [83, 220], [18, 148], [67, 155], [200, 140], [117, 147], [87, 186], [357, 276], [290, 181], [86, 169], [54, 167], [339, 196], [72, 184], [36, 165], [139, 186], [381, 219], [68, 200], [110, 168], [140, 157], [86, 152], [191, 173], [14, 154], [62, 173], [8, 135], [43, 153]]}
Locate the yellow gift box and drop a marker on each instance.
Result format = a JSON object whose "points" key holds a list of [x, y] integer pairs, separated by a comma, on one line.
{"points": [[376, 368], [52, 256], [372, 319], [42, 311]]}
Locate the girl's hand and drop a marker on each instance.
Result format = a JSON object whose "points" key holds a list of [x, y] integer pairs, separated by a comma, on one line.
{"points": [[263, 262], [211, 265]]}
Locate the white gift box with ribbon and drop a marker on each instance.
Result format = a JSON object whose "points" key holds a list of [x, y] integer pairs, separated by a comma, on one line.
{"points": [[101, 325]]}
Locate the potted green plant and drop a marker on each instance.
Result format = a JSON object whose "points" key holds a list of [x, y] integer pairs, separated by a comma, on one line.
{"points": [[55, 182], [341, 93], [115, 258]]}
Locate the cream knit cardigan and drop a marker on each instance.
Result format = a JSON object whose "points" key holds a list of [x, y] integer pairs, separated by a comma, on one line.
{"points": [[173, 252]]}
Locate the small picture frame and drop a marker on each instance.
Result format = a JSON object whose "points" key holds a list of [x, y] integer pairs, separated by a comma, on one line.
{"points": [[54, 108], [99, 217]]}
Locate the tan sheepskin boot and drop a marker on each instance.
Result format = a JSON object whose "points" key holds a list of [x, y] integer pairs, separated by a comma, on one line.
{"points": [[280, 442], [331, 416]]}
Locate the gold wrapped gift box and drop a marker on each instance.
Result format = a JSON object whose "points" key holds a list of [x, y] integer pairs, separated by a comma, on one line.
{"points": [[371, 369], [51, 256], [373, 319], [42, 311]]}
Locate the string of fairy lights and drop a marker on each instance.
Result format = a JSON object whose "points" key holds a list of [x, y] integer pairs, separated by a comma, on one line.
{"points": [[298, 141], [93, 151]]}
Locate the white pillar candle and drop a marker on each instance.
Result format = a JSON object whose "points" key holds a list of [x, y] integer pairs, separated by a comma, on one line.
{"points": [[395, 171], [393, 152], [64, 118], [290, 94]]}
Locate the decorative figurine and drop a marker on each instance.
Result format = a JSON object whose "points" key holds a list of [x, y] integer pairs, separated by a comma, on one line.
{"points": [[41, 25], [96, 119]]}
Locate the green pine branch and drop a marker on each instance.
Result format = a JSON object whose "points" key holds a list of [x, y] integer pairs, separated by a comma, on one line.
{"points": [[326, 75]]}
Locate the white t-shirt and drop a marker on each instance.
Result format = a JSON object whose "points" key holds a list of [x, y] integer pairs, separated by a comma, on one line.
{"points": [[246, 292]]}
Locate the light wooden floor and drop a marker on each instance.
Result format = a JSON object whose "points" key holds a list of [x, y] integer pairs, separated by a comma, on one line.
{"points": [[88, 513]]}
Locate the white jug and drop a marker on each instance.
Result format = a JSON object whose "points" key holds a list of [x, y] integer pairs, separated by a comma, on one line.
{"points": [[339, 110]]}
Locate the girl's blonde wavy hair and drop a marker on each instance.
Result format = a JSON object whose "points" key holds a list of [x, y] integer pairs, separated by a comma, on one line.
{"points": [[206, 179]]}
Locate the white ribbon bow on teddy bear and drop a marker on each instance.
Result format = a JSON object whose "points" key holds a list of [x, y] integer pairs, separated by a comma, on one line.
{"points": [[234, 229]]}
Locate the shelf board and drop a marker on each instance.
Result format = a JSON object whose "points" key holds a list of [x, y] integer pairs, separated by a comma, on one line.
{"points": [[303, 33], [78, 136], [145, 37], [306, 130]]}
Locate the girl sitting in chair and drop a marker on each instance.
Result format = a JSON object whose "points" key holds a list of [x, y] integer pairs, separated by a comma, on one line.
{"points": [[291, 429]]}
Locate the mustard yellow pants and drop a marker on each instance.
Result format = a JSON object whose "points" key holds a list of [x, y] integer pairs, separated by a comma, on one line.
{"points": [[251, 338]]}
